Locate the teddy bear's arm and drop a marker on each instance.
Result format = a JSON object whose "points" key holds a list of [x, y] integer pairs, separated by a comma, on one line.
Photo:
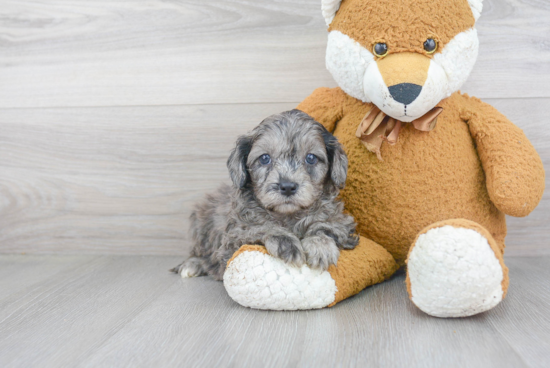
{"points": [[325, 106], [513, 169]]}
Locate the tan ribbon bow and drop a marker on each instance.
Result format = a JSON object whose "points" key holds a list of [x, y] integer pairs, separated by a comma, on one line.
{"points": [[377, 127]]}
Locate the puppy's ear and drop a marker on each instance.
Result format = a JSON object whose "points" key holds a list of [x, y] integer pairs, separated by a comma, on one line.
{"points": [[237, 161], [337, 159]]}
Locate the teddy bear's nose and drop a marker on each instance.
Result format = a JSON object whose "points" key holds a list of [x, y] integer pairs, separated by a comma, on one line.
{"points": [[405, 92]]}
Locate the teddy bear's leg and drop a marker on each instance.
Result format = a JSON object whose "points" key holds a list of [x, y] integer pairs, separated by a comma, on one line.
{"points": [[455, 269], [255, 279]]}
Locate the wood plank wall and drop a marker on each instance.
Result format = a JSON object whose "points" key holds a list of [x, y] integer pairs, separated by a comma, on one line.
{"points": [[115, 116]]}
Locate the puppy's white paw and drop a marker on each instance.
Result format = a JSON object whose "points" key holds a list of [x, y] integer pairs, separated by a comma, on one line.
{"points": [[186, 273], [321, 251], [192, 267], [453, 272]]}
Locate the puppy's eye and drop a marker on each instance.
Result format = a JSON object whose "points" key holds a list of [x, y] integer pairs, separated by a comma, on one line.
{"points": [[430, 45], [311, 159], [380, 49], [265, 159]]}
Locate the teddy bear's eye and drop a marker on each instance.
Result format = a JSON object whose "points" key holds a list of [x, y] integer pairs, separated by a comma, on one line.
{"points": [[380, 49], [430, 45]]}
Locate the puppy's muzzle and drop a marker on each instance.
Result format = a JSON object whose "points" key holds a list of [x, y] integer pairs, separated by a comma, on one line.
{"points": [[288, 188]]}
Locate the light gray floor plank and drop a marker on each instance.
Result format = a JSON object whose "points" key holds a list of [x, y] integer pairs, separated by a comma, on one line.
{"points": [[19, 273], [376, 328], [105, 53], [525, 323], [122, 180], [59, 321], [128, 311]]}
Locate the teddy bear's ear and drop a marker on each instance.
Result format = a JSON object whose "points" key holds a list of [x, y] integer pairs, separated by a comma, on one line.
{"points": [[476, 6], [330, 7]]}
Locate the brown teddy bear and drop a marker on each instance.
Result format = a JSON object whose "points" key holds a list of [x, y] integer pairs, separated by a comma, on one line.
{"points": [[432, 172]]}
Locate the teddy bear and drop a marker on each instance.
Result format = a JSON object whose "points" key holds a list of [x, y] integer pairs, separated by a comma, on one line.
{"points": [[432, 172]]}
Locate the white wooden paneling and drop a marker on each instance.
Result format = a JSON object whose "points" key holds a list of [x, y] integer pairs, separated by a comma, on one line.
{"points": [[118, 53]]}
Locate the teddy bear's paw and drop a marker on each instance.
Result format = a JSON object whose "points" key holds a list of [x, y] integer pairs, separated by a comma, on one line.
{"points": [[258, 280], [454, 272]]}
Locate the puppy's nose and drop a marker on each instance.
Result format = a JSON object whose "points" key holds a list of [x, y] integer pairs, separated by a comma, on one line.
{"points": [[405, 92], [287, 188]]}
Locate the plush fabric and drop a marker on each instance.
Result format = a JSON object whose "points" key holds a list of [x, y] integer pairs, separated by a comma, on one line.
{"points": [[496, 248], [375, 265], [455, 269], [255, 279], [368, 78], [403, 25]]}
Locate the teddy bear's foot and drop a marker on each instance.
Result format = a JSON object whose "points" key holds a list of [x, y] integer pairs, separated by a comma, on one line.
{"points": [[255, 279], [455, 269]]}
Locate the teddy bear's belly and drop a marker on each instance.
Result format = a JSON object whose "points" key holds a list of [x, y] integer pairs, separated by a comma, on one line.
{"points": [[425, 177]]}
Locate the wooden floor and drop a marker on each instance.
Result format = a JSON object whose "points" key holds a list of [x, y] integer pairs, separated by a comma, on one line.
{"points": [[129, 311]]}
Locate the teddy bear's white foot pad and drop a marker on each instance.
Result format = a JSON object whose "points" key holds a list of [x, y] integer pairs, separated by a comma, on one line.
{"points": [[258, 280], [453, 272]]}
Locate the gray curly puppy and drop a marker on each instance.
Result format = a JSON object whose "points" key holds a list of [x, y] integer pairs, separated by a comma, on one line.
{"points": [[286, 175]]}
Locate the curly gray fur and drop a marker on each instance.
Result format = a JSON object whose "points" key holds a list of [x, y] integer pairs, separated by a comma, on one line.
{"points": [[304, 224]]}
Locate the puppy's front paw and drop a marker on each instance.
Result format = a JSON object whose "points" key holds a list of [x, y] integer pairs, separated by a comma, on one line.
{"points": [[287, 248], [321, 251], [192, 267]]}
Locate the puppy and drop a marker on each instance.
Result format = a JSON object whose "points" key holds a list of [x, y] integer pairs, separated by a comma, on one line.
{"points": [[286, 175]]}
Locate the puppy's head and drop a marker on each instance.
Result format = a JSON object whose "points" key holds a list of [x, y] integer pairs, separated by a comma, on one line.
{"points": [[288, 161]]}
